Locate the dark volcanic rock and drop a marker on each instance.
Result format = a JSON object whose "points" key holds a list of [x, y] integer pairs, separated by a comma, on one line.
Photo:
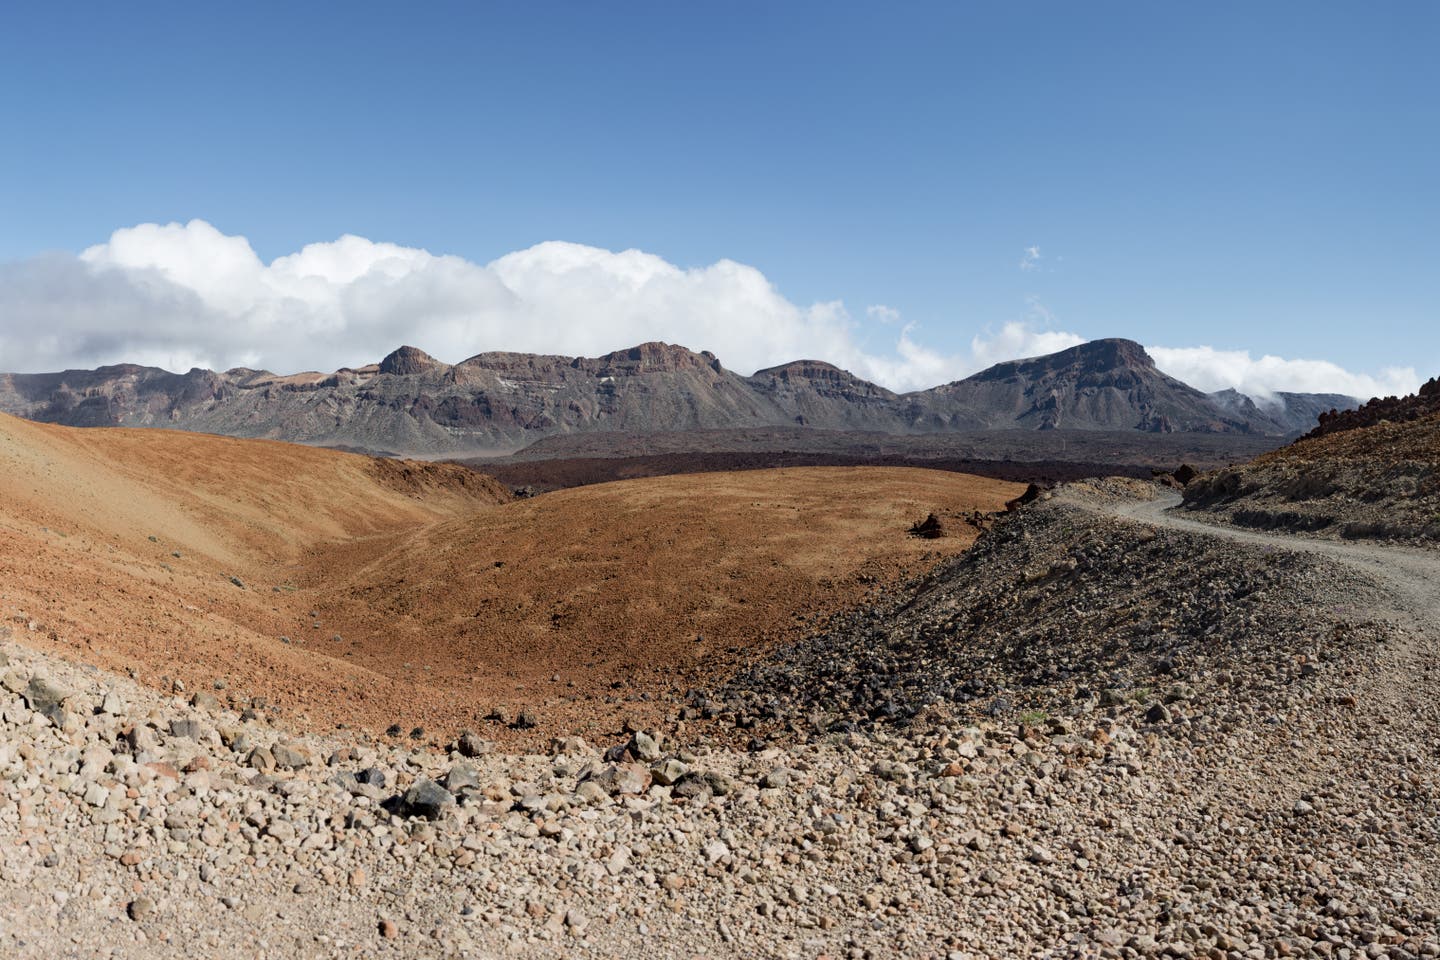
{"points": [[371, 776], [426, 799], [462, 776], [928, 529], [47, 699], [1051, 606], [1423, 403], [471, 744], [1032, 493]]}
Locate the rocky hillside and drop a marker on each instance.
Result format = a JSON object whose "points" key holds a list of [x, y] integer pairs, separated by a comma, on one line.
{"points": [[493, 402], [1058, 607], [1367, 473]]}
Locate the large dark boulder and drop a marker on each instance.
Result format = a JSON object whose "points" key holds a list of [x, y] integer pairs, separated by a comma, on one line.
{"points": [[426, 799]]}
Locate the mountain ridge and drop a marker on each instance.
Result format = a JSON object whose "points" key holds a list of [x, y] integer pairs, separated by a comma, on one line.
{"points": [[493, 401]]}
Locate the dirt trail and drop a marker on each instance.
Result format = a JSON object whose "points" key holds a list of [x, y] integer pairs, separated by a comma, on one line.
{"points": [[1404, 684], [1411, 576], [1393, 734]]}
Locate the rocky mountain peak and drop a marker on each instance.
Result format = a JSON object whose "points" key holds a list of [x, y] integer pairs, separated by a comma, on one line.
{"points": [[406, 361], [655, 357], [1113, 352], [1094, 357], [817, 375], [805, 370]]}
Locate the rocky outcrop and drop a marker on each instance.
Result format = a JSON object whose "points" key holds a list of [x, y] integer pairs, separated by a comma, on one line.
{"points": [[1423, 403], [408, 361]]}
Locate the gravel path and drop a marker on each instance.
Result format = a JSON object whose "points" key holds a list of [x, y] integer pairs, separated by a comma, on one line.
{"points": [[1409, 574]]}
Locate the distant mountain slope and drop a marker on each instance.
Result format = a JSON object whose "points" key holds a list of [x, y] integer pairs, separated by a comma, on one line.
{"points": [[812, 393], [410, 401], [413, 403], [1287, 412], [1101, 385]]}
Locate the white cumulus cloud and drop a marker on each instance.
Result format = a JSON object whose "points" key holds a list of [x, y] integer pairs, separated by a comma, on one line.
{"points": [[1019, 339], [882, 314], [1209, 369], [181, 295]]}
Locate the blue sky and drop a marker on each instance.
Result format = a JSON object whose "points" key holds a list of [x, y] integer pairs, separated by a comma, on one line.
{"points": [[1247, 177]]}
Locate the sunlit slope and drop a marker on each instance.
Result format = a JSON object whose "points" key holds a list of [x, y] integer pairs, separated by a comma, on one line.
{"points": [[177, 553], [352, 590]]}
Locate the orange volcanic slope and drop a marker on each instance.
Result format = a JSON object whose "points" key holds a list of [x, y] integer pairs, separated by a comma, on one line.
{"points": [[121, 544], [448, 602]]}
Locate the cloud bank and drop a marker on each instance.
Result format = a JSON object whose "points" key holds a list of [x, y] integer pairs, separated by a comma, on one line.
{"points": [[1209, 369], [182, 295]]}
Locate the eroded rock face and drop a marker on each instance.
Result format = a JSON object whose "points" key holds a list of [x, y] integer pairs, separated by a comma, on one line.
{"points": [[408, 361]]}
